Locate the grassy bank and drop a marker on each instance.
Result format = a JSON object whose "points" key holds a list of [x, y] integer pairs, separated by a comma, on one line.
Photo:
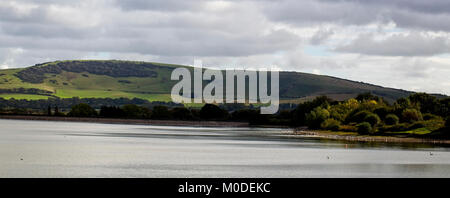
{"points": [[353, 136]]}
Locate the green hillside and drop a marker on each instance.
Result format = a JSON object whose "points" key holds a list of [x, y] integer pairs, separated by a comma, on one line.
{"points": [[151, 81]]}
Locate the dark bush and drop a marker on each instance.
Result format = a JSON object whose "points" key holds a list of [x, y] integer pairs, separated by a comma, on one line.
{"points": [[416, 125], [391, 119], [402, 104], [160, 113], [357, 116], [277, 121], [284, 114], [396, 127], [57, 113], [135, 111], [432, 125], [411, 115], [372, 118], [330, 124], [366, 96], [195, 114], [111, 112], [260, 119], [426, 102], [210, 111], [244, 114], [181, 113], [429, 116], [302, 109], [382, 111], [82, 110], [316, 117], [131, 110], [364, 128]]}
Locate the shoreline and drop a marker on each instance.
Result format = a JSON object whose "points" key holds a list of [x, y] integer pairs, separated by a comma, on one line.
{"points": [[352, 137], [128, 121], [302, 131]]}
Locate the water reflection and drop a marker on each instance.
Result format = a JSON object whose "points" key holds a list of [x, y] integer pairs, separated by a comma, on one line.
{"points": [[69, 149]]}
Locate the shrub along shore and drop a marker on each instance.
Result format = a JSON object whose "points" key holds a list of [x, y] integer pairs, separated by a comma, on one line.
{"points": [[419, 116]]}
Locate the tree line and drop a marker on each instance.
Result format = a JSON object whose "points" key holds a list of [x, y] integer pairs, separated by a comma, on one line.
{"points": [[27, 91], [372, 115], [36, 73], [365, 114], [66, 103]]}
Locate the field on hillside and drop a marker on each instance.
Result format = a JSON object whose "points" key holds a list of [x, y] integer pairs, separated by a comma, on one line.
{"points": [[86, 85], [151, 81]]}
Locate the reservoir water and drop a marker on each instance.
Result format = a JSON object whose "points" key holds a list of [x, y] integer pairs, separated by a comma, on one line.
{"points": [[73, 149]]}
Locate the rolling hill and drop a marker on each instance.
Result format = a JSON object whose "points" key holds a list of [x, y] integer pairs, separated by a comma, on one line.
{"points": [[151, 81]]}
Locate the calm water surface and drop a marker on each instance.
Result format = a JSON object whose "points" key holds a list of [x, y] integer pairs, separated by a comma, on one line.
{"points": [[70, 149]]}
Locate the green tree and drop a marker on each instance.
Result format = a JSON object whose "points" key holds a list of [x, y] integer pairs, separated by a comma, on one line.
{"points": [[357, 116], [343, 109], [444, 107], [82, 110], [403, 103], [391, 119], [364, 128], [302, 109], [372, 118], [316, 117], [135, 111], [426, 102], [181, 113], [111, 112], [244, 114], [366, 97], [429, 116], [382, 111], [330, 124], [160, 113], [57, 113], [411, 115], [211, 111]]}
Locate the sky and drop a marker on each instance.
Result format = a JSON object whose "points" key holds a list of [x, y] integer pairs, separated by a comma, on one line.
{"points": [[394, 43]]}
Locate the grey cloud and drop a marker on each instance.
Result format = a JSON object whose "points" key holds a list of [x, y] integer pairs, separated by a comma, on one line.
{"points": [[250, 33], [428, 6], [168, 43], [9, 13], [421, 21], [312, 12], [413, 44], [415, 68], [320, 36], [418, 14], [37, 30], [159, 5], [176, 34]]}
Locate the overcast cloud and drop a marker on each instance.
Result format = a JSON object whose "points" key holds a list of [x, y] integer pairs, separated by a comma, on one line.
{"points": [[395, 43]]}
